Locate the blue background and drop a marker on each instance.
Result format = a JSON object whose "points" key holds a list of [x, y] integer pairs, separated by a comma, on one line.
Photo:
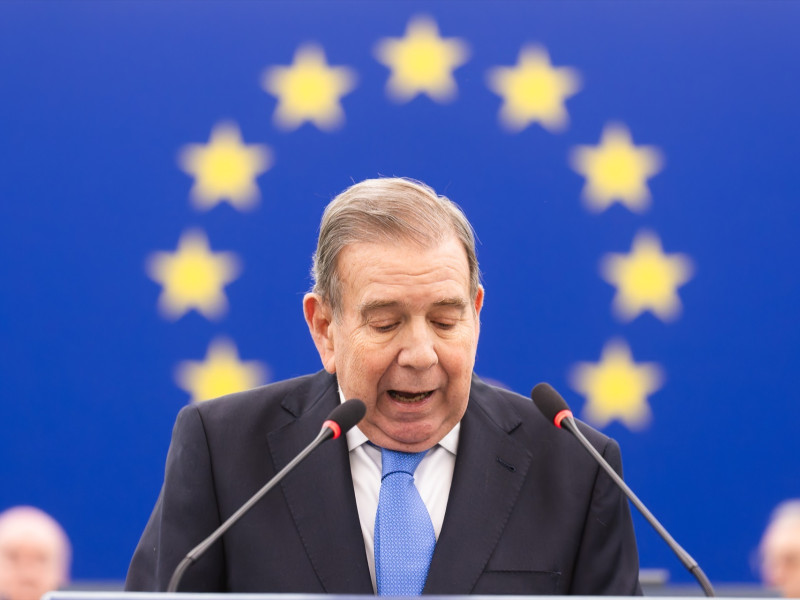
{"points": [[97, 98]]}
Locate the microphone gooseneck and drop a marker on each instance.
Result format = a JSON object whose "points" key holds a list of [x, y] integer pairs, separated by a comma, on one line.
{"points": [[341, 419], [556, 410]]}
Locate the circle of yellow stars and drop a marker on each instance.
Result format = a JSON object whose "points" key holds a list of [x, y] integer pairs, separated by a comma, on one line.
{"points": [[646, 279], [533, 92]]}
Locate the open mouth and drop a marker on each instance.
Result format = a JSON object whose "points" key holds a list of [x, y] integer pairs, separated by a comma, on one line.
{"points": [[409, 397]]}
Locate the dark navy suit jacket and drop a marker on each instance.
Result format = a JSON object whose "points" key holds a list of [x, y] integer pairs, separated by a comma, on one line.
{"points": [[529, 511]]}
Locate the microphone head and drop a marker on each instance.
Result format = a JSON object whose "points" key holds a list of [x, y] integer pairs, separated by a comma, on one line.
{"points": [[550, 402], [345, 416]]}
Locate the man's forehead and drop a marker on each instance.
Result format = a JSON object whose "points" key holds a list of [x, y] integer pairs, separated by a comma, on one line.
{"points": [[376, 275], [783, 536], [406, 247], [28, 528]]}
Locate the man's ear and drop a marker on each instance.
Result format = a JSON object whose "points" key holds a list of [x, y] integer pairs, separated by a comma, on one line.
{"points": [[479, 300], [478, 306], [319, 317]]}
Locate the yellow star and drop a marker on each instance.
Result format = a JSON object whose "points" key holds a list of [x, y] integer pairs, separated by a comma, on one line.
{"points": [[646, 279], [422, 62], [309, 90], [616, 387], [616, 170], [220, 373], [225, 168], [193, 277], [534, 91]]}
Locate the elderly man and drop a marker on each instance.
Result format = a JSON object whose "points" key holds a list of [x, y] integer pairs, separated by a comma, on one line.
{"points": [[447, 486], [34, 554], [780, 550]]}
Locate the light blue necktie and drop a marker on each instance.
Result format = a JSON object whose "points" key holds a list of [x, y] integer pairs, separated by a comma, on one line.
{"points": [[404, 537]]}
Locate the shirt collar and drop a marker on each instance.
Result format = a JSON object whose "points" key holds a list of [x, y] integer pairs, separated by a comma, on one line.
{"points": [[355, 437]]}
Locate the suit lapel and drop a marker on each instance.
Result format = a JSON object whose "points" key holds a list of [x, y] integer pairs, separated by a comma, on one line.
{"points": [[489, 473], [320, 494]]}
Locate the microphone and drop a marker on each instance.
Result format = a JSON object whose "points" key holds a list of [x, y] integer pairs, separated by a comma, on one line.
{"points": [[342, 418], [555, 408]]}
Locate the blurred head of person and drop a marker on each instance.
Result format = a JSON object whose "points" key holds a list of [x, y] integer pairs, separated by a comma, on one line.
{"points": [[780, 550], [34, 554]]}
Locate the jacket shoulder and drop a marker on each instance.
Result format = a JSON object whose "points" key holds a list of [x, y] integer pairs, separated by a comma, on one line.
{"points": [[518, 415], [279, 402]]}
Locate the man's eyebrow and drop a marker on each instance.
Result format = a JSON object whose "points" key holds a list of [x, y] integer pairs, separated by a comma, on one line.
{"points": [[366, 307], [455, 301]]}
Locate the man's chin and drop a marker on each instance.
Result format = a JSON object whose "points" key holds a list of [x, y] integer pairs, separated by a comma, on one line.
{"points": [[405, 438]]}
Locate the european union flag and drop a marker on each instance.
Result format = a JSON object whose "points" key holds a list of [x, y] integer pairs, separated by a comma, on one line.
{"points": [[629, 169]]}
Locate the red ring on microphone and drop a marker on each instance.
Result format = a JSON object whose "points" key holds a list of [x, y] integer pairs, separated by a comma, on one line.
{"points": [[334, 427], [562, 414]]}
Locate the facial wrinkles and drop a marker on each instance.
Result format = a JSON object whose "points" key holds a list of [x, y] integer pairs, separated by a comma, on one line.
{"points": [[399, 272], [407, 325], [398, 297]]}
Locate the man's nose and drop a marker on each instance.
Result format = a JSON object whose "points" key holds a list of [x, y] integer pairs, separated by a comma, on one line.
{"points": [[417, 350]]}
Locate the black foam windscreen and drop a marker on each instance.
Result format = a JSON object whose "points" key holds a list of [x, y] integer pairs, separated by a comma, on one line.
{"points": [[348, 414], [548, 400]]}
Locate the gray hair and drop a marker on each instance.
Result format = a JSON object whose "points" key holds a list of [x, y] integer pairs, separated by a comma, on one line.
{"points": [[385, 210]]}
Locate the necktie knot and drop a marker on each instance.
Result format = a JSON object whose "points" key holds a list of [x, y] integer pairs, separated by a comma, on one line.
{"points": [[393, 461]]}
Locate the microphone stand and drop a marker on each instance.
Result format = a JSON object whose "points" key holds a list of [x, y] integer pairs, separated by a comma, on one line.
{"points": [[685, 558]]}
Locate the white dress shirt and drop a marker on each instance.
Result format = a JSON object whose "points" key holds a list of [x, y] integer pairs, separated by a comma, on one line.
{"points": [[432, 478]]}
